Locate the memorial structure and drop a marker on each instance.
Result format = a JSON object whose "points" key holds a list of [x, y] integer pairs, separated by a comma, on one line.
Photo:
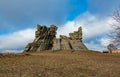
{"points": [[45, 39]]}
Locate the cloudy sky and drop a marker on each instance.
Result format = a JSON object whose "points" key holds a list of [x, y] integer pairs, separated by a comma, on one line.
{"points": [[18, 19]]}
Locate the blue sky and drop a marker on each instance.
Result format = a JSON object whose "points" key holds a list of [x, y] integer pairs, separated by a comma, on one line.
{"points": [[18, 19]]}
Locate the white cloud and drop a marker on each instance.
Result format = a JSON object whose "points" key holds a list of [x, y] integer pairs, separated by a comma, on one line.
{"points": [[95, 46], [101, 44], [11, 51], [26, 13], [16, 40], [67, 28], [93, 27], [105, 41]]}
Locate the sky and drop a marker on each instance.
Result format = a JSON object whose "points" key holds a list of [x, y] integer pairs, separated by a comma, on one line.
{"points": [[18, 20]]}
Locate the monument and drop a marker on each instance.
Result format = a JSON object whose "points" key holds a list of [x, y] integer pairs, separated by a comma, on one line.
{"points": [[74, 42], [45, 39]]}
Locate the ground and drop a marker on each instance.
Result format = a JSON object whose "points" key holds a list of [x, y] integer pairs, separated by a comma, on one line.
{"points": [[60, 64]]}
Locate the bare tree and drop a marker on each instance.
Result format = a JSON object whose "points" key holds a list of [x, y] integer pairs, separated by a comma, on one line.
{"points": [[111, 47], [115, 35]]}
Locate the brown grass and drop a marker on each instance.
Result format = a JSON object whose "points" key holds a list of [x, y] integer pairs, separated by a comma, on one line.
{"points": [[60, 64]]}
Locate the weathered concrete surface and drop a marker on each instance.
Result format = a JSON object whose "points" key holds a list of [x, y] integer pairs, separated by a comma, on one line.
{"points": [[56, 44], [74, 42], [115, 51], [45, 39]]}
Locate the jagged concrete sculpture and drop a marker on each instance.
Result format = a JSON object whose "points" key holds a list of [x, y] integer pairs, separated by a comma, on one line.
{"points": [[45, 39], [74, 42]]}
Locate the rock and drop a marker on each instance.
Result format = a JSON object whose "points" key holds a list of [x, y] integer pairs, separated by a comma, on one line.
{"points": [[64, 43], [74, 42], [45, 39], [77, 45], [56, 44]]}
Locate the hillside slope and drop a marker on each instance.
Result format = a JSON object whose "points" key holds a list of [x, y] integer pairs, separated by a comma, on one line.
{"points": [[60, 64]]}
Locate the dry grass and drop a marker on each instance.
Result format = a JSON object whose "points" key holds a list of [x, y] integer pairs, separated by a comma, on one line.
{"points": [[60, 64]]}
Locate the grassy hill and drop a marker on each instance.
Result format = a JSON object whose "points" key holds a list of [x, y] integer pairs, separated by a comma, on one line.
{"points": [[60, 64]]}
